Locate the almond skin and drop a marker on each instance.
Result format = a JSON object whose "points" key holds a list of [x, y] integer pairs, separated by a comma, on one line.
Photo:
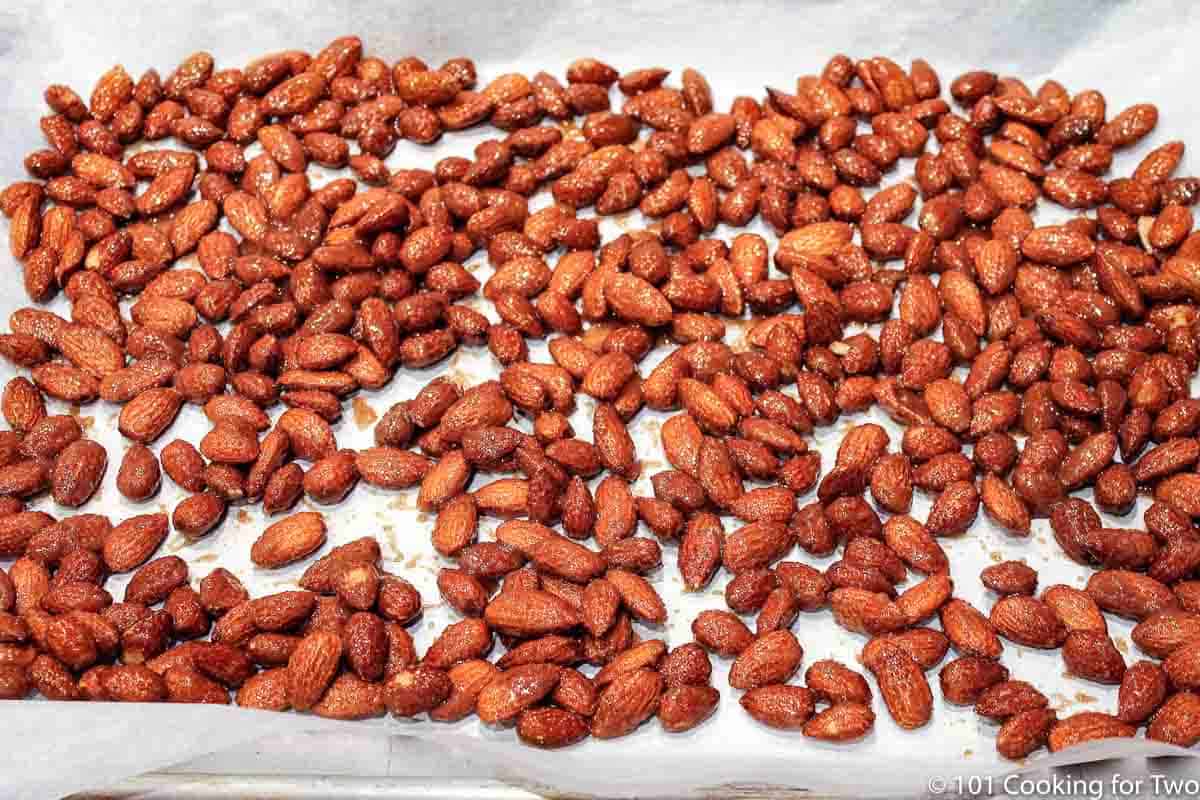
{"points": [[468, 680], [772, 658], [463, 640], [1003, 505], [310, 436], [1183, 666], [22, 404], [841, 722], [1075, 609], [644, 654], [133, 541], [412, 691], [756, 545], [350, 697], [145, 417], [266, 691], [903, 686], [1093, 656], [722, 632], [289, 540], [551, 728], [1025, 732], [133, 684], [199, 514], [1027, 621], [866, 611], [1161, 634], [1084, 727], [954, 509], [969, 631], [626, 703], [139, 475], [686, 665], [230, 444], [530, 613], [156, 580], [391, 468], [638, 595], [77, 472], [1004, 699], [638, 301], [184, 465], [1175, 721], [515, 690], [560, 556], [965, 679], [1129, 594], [1143, 688], [780, 706]]}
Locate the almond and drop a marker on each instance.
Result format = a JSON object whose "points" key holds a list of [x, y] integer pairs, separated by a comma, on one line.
{"points": [[1129, 594], [626, 703], [289, 540], [772, 658], [133, 541], [969, 631], [1092, 655], [145, 417], [77, 472], [1025, 732], [551, 728], [530, 613], [515, 690], [1027, 621], [903, 686], [756, 545], [391, 468], [1086, 726], [1175, 721], [841, 722], [412, 691]]}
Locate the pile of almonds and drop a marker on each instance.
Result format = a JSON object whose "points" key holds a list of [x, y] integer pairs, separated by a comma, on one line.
{"points": [[1027, 363]]}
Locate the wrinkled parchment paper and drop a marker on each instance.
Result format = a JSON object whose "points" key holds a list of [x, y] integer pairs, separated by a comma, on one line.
{"points": [[1133, 53]]}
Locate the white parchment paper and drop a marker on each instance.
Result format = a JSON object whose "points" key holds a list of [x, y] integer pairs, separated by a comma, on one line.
{"points": [[1133, 53]]}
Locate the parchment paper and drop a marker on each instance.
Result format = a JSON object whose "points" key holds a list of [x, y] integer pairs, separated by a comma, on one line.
{"points": [[1132, 53]]}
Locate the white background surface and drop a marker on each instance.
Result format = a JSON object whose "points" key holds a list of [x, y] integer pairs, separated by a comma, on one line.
{"points": [[1132, 53]]}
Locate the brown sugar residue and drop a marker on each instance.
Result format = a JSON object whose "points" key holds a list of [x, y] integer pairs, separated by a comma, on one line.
{"points": [[571, 131], [85, 421], [626, 222], [1083, 697], [739, 334], [243, 516], [364, 414]]}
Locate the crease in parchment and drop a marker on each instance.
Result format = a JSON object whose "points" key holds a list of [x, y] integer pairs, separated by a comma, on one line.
{"points": [[67, 732]]}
